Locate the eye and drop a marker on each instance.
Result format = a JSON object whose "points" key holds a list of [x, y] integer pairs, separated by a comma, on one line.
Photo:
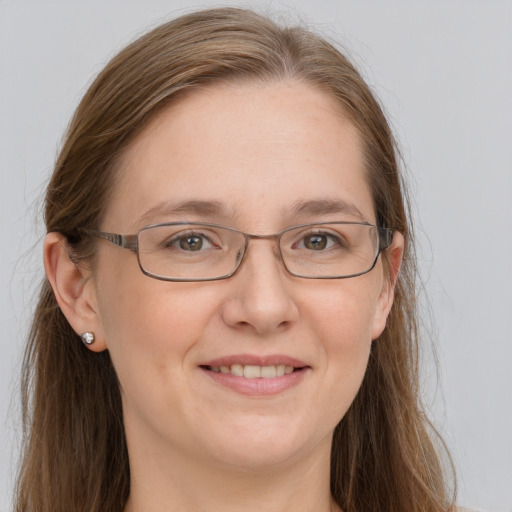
{"points": [[315, 242], [319, 242], [192, 242]]}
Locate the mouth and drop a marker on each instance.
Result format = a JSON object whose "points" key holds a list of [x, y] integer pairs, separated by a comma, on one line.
{"points": [[250, 371], [257, 376]]}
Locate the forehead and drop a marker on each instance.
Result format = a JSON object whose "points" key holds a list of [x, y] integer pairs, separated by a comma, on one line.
{"points": [[256, 151]]}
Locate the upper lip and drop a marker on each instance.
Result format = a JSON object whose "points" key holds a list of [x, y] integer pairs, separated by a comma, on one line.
{"points": [[256, 360]]}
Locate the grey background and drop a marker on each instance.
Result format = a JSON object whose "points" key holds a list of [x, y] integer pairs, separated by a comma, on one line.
{"points": [[443, 70]]}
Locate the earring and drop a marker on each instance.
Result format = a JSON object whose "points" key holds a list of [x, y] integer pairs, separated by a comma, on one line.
{"points": [[88, 337]]}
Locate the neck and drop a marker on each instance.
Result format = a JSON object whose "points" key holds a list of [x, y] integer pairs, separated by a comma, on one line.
{"points": [[181, 483]]}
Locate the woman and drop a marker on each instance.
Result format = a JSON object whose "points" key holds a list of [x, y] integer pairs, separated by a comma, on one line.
{"points": [[228, 320]]}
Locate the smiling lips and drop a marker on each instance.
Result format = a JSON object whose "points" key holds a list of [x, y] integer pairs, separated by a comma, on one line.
{"points": [[258, 376]]}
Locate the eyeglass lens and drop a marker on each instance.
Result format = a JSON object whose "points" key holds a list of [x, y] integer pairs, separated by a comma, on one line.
{"points": [[200, 251]]}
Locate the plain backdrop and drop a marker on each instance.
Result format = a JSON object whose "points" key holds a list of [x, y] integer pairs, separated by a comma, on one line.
{"points": [[443, 70]]}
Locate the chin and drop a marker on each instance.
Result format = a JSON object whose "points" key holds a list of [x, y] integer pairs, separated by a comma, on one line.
{"points": [[263, 445]]}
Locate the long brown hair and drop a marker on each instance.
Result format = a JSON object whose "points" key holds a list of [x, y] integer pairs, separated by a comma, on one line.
{"points": [[75, 456]]}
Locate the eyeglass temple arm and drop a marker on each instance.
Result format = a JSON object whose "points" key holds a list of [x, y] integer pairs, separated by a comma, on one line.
{"points": [[385, 238], [124, 241]]}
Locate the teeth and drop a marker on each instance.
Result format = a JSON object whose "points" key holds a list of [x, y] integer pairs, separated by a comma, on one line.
{"points": [[254, 372], [237, 369], [267, 372]]}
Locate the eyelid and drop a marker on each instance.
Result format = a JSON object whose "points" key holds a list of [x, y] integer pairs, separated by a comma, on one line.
{"points": [[175, 238], [335, 239]]}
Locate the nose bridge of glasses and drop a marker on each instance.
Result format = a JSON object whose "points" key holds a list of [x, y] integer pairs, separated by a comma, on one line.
{"points": [[274, 237], [273, 241]]}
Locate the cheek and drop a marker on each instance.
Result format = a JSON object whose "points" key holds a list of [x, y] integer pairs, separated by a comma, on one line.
{"points": [[150, 326], [152, 316], [345, 311], [343, 320]]}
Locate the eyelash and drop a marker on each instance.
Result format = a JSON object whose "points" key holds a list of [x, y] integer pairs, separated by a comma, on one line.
{"points": [[179, 237], [176, 240], [336, 239]]}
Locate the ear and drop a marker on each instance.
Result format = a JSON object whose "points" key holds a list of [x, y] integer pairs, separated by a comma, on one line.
{"points": [[73, 288], [394, 255]]}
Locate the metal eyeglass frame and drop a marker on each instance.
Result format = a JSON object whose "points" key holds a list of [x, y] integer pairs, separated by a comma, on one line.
{"points": [[130, 242]]}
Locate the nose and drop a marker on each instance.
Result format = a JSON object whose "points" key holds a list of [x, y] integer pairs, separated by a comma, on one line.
{"points": [[261, 299]]}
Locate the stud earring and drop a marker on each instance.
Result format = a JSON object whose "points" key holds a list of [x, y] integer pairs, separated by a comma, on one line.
{"points": [[88, 338]]}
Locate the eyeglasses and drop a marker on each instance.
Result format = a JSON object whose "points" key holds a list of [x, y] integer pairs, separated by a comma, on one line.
{"points": [[183, 251]]}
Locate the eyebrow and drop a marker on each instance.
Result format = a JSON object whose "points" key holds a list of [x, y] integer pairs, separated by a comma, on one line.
{"points": [[202, 208], [319, 207], [194, 207]]}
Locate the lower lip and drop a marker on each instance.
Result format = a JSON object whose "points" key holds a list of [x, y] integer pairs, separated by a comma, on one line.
{"points": [[259, 386]]}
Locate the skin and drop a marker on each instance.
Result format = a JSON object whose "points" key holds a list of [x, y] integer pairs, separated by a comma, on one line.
{"points": [[194, 444]]}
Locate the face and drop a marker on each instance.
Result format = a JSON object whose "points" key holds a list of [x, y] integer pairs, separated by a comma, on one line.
{"points": [[255, 152]]}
